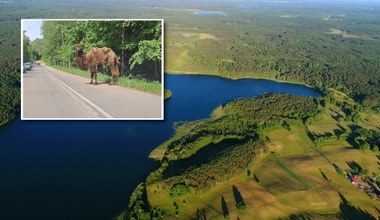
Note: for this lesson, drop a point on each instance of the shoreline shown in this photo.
(178, 72)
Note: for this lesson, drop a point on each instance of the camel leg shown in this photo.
(92, 76)
(96, 74)
(112, 81)
(96, 79)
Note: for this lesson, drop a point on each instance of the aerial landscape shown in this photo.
(272, 111)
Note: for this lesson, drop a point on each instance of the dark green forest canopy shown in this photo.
(9, 70)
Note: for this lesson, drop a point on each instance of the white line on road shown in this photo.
(80, 96)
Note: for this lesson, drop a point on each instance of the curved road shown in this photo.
(49, 93)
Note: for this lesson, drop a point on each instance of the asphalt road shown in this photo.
(48, 93)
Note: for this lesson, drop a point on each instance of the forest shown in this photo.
(9, 71)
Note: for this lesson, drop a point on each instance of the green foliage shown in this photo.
(218, 148)
(375, 149)
(141, 84)
(181, 189)
(9, 92)
(167, 93)
(27, 55)
(9, 70)
(135, 42)
(364, 146)
(271, 109)
(365, 139)
(148, 50)
(243, 119)
(241, 207)
(139, 207)
(230, 161)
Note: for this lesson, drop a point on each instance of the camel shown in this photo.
(96, 56)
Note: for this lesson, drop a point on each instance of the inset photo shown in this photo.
(75, 69)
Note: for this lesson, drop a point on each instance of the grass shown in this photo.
(293, 174)
(326, 124)
(180, 129)
(167, 93)
(153, 87)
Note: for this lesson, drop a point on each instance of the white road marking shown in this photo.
(80, 96)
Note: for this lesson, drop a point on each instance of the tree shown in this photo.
(365, 146)
(27, 56)
(375, 149)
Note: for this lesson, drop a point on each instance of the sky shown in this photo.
(32, 28)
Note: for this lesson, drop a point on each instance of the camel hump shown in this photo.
(106, 49)
(94, 49)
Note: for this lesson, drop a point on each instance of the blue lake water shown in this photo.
(88, 169)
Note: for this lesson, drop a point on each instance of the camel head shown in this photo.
(78, 50)
(114, 66)
(79, 57)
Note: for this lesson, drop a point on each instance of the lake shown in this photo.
(88, 169)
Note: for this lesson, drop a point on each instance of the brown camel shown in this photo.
(96, 56)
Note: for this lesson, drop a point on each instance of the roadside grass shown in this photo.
(153, 87)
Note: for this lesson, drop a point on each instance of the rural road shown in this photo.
(48, 93)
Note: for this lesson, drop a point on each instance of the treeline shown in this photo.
(139, 207)
(226, 164)
(9, 71)
(269, 109)
(365, 139)
(137, 43)
(315, 62)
